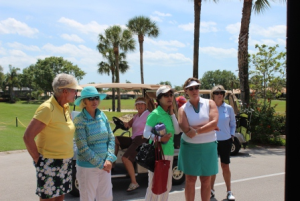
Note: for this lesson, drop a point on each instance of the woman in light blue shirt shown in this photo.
(225, 136)
(96, 145)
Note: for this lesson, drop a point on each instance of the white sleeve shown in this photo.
(148, 134)
(175, 124)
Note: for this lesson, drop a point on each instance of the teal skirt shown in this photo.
(198, 159)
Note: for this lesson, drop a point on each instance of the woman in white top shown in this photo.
(198, 119)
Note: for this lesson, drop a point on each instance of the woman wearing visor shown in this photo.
(198, 119)
(225, 137)
(137, 123)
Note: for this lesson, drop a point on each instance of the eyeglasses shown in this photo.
(217, 93)
(192, 88)
(93, 98)
(167, 95)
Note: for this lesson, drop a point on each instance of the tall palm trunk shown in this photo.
(197, 11)
(243, 51)
(116, 51)
(113, 91)
(141, 41)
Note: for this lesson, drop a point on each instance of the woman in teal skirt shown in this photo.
(198, 119)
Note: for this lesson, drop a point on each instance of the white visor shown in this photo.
(192, 83)
(140, 102)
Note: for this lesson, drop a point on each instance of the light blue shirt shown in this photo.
(226, 123)
(94, 139)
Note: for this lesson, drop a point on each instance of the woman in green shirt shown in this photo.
(162, 114)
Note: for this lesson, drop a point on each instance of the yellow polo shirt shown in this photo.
(56, 139)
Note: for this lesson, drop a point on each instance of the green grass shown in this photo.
(280, 107)
(11, 137)
(11, 133)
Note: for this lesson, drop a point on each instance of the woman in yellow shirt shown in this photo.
(52, 150)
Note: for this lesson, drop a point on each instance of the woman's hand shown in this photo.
(107, 166)
(166, 137)
(192, 133)
(126, 125)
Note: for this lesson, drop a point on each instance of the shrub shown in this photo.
(266, 125)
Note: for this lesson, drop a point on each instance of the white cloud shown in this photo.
(277, 31)
(219, 52)
(162, 14)
(234, 28)
(91, 27)
(2, 51)
(160, 58)
(171, 45)
(205, 27)
(85, 57)
(20, 46)
(72, 37)
(12, 26)
(268, 42)
(70, 50)
(17, 59)
(155, 18)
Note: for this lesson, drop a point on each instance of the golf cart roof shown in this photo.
(128, 86)
(204, 91)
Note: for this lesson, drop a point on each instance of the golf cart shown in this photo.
(149, 92)
(242, 133)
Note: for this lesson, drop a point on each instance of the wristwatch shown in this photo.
(196, 132)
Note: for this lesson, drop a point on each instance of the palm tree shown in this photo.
(11, 80)
(142, 26)
(2, 77)
(243, 63)
(115, 38)
(110, 67)
(197, 12)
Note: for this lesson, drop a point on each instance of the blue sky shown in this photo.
(31, 30)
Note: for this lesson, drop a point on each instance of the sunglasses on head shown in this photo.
(217, 93)
(93, 98)
(192, 88)
(167, 95)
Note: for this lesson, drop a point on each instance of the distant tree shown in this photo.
(142, 26)
(225, 78)
(165, 83)
(27, 79)
(177, 88)
(46, 69)
(117, 39)
(12, 80)
(2, 78)
(269, 69)
(110, 67)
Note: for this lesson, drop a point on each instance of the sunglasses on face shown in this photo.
(167, 95)
(192, 88)
(93, 98)
(217, 93)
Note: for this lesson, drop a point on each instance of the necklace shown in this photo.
(197, 109)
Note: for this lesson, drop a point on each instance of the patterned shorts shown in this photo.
(54, 177)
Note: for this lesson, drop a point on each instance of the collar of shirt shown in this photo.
(161, 110)
(223, 108)
(188, 104)
(88, 116)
